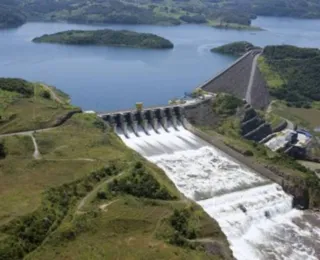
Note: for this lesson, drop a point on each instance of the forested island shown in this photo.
(218, 13)
(107, 37)
(234, 48)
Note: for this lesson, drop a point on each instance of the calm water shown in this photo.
(108, 78)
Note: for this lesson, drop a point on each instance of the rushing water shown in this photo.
(109, 78)
(255, 214)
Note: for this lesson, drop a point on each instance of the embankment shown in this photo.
(235, 81)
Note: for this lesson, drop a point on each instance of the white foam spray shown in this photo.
(255, 214)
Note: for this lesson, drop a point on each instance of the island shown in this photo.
(107, 37)
(234, 48)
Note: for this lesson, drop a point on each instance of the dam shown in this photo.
(255, 214)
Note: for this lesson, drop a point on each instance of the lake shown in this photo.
(111, 78)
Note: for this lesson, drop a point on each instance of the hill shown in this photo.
(292, 74)
(10, 16)
(87, 196)
(26, 106)
(221, 14)
(234, 48)
(107, 37)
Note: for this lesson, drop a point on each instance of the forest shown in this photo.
(213, 12)
(298, 69)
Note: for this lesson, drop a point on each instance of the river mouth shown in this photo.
(255, 214)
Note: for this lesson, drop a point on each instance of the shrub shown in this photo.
(45, 94)
(2, 150)
(17, 85)
(140, 183)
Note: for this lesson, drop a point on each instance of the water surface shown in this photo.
(110, 78)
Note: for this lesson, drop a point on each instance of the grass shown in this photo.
(23, 179)
(130, 228)
(303, 117)
(273, 78)
(18, 113)
(273, 119)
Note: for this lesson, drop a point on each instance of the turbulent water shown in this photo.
(255, 214)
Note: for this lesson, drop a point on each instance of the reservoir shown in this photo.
(109, 78)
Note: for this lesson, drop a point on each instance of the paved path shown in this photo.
(253, 73)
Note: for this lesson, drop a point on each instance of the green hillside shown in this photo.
(86, 195)
(292, 74)
(10, 15)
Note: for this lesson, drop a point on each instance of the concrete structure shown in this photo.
(242, 79)
(294, 143)
(149, 119)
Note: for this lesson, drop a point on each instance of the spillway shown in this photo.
(255, 214)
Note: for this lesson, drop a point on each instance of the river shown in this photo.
(109, 78)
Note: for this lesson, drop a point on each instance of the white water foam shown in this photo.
(255, 214)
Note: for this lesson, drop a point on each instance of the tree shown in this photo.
(2, 150)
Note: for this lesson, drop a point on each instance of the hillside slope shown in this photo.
(87, 196)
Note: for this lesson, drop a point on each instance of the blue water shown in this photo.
(110, 78)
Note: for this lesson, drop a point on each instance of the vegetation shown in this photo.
(17, 85)
(26, 106)
(292, 74)
(218, 13)
(27, 232)
(226, 105)
(234, 48)
(49, 207)
(141, 184)
(2, 150)
(227, 129)
(107, 37)
(10, 15)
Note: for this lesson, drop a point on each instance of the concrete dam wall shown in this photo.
(149, 120)
(235, 80)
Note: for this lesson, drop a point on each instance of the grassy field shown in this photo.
(53, 187)
(20, 113)
(127, 229)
